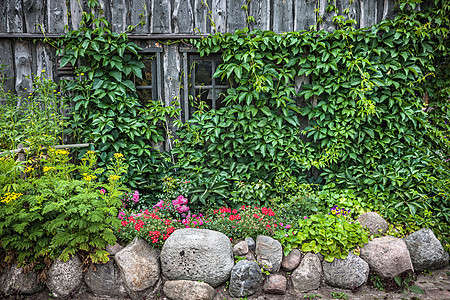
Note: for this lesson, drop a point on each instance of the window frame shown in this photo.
(157, 76)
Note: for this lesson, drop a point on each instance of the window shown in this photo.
(198, 82)
(149, 87)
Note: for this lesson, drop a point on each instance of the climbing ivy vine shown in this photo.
(375, 101)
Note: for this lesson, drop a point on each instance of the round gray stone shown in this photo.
(348, 273)
(269, 253)
(426, 251)
(65, 277)
(197, 255)
(246, 278)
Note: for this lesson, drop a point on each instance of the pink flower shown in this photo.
(182, 209)
(159, 204)
(194, 222)
(287, 226)
(136, 196)
(103, 191)
(182, 200)
(305, 217)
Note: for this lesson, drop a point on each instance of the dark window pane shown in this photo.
(203, 72)
(146, 74)
(144, 95)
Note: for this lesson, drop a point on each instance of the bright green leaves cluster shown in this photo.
(350, 102)
(329, 235)
(107, 111)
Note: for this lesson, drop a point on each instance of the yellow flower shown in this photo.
(118, 155)
(43, 71)
(89, 177)
(8, 197)
(90, 152)
(114, 177)
(61, 152)
(47, 168)
(82, 74)
(29, 169)
(54, 91)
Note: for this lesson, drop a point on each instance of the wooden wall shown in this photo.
(26, 56)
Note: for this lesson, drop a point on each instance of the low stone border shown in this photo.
(193, 263)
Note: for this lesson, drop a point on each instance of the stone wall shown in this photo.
(198, 263)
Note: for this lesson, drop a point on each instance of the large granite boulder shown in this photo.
(269, 253)
(348, 273)
(374, 222)
(65, 278)
(292, 260)
(426, 251)
(14, 280)
(139, 268)
(246, 278)
(188, 290)
(105, 280)
(387, 256)
(197, 255)
(307, 275)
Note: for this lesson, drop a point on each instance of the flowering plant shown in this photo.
(243, 222)
(151, 226)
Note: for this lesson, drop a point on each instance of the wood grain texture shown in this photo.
(369, 11)
(171, 67)
(183, 17)
(219, 15)
(44, 60)
(327, 16)
(283, 16)
(161, 17)
(15, 16)
(75, 14)
(7, 59)
(388, 9)
(118, 15)
(34, 15)
(57, 16)
(140, 10)
(236, 17)
(304, 15)
(260, 10)
(202, 22)
(22, 64)
(353, 10)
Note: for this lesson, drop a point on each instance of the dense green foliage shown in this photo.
(51, 214)
(107, 111)
(370, 103)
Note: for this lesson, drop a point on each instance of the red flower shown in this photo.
(255, 216)
(235, 211)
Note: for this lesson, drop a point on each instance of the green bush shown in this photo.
(332, 236)
(52, 214)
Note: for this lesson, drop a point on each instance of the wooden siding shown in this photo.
(25, 57)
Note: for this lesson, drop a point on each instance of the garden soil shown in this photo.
(436, 285)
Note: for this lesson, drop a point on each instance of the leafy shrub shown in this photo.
(34, 120)
(328, 234)
(53, 214)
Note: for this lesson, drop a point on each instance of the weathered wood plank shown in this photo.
(171, 67)
(283, 16)
(4, 14)
(202, 22)
(161, 14)
(76, 11)
(236, 16)
(118, 15)
(388, 9)
(353, 10)
(183, 17)
(260, 10)
(22, 63)
(14, 16)
(34, 15)
(140, 10)
(369, 11)
(7, 59)
(57, 16)
(304, 14)
(219, 15)
(44, 60)
(327, 17)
